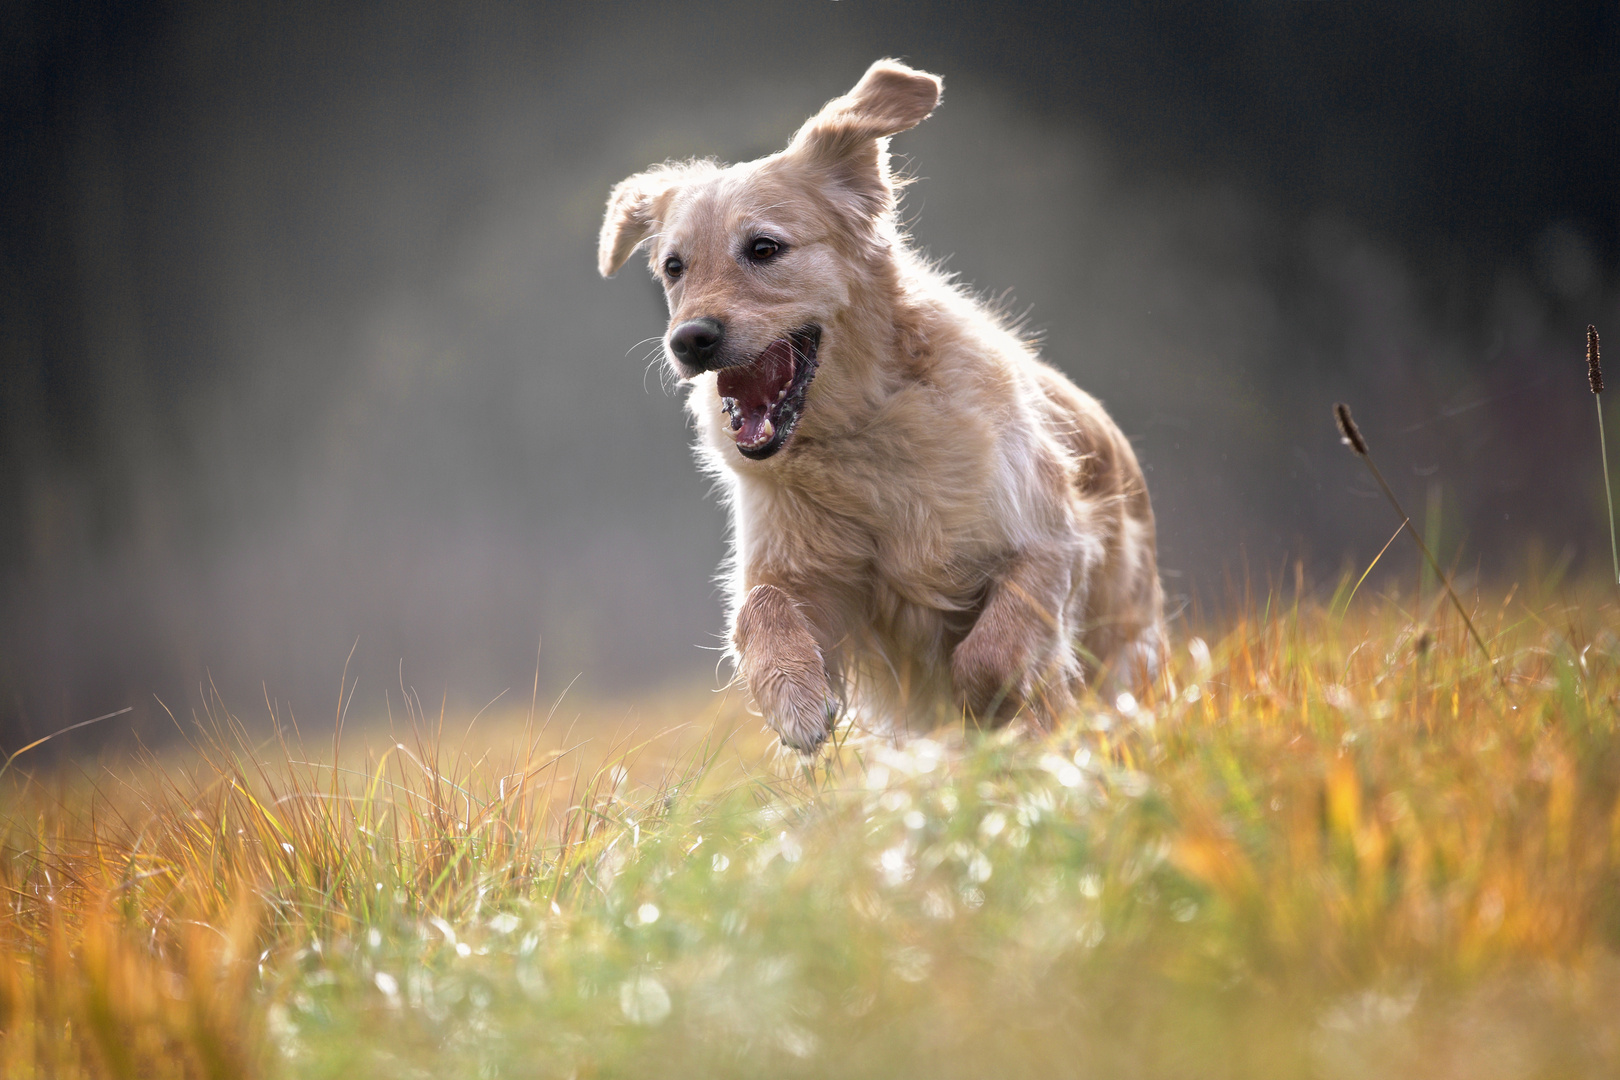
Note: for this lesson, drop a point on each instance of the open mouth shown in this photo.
(765, 396)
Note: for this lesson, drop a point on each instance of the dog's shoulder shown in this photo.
(1107, 464)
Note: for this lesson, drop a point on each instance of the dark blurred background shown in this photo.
(301, 341)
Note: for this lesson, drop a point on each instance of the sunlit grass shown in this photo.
(1331, 845)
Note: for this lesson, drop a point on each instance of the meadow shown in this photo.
(1334, 842)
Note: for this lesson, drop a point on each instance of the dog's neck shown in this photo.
(880, 346)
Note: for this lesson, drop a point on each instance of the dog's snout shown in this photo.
(696, 342)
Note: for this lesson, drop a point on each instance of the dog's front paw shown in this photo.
(991, 676)
(782, 665)
(797, 704)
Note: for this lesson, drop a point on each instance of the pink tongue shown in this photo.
(754, 388)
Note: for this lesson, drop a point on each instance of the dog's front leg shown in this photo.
(780, 661)
(1019, 656)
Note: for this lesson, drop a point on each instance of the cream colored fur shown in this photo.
(953, 525)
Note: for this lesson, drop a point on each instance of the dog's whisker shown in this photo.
(659, 338)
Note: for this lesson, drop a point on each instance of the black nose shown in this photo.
(696, 342)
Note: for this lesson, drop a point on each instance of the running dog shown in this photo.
(927, 520)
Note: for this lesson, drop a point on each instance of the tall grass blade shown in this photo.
(1594, 375)
(15, 754)
(1353, 438)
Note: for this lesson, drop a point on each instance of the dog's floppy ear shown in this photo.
(849, 136)
(635, 208)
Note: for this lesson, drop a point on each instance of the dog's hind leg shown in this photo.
(783, 666)
(1019, 656)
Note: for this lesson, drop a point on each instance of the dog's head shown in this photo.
(761, 261)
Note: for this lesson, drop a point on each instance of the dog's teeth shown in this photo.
(766, 431)
(782, 393)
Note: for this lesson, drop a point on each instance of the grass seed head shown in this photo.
(1594, 366)
(1348, 432)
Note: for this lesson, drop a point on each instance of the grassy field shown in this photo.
(1336, 845)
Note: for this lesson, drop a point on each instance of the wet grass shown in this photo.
(1334, 844)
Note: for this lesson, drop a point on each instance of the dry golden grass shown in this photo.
(1332, 844)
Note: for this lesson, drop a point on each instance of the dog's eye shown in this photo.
(763, 248)
(673, 267)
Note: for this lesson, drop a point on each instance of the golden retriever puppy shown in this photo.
(926, 518)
